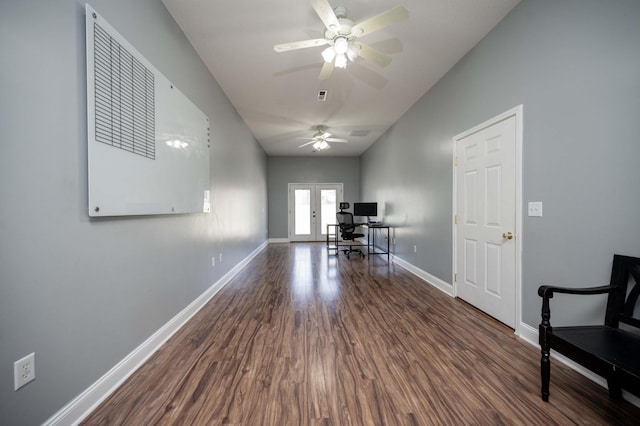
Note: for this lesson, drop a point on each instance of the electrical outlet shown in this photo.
(213, 261)
(220, 258)
(415, 249)
(24, 371)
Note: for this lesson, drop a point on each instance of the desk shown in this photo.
(333, 242)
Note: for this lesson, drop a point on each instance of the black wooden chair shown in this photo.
(611, 350)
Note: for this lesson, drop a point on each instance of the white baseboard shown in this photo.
(87, 401)
(431, 279)
(278, 240)
(529, 334)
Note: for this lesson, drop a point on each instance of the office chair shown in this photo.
(346, 225)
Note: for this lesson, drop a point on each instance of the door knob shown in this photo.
(507, 235)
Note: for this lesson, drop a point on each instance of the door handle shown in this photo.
(508, 235)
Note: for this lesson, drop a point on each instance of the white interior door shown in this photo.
(311, 208)
(485, 243)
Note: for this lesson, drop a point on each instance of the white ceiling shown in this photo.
(276, 93)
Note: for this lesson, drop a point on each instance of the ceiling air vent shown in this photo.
(359, 133)
(322, 95)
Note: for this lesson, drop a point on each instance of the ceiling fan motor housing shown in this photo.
(340, 11)
(344, 29)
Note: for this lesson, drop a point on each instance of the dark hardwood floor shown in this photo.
(302, 338)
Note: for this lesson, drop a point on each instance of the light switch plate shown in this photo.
(535, 209)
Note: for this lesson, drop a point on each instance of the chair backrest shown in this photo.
(345, 222)
(621, 305)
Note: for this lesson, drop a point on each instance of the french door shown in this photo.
(312, 206)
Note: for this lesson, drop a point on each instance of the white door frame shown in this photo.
(516, 112)
(316, 216)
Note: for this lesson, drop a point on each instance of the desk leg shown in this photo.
(373, 230)
(327, 238)
(388, 246)
(335, 239)
(371, 242)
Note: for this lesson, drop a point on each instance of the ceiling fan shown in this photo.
(321, 139)
(342, 35)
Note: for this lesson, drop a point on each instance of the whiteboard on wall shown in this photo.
(148, 144)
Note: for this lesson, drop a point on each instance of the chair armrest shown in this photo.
(546, 291)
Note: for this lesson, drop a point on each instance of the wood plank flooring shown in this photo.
(302, 338)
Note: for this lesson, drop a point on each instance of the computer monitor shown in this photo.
(365, 209)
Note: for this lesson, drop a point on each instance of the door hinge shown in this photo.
(456, 162)
(455, 277)
(455, 219)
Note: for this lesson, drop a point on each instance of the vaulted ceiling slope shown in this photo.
(277, 93)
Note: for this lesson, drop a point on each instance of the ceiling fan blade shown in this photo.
(325, 72)
(300, 44)
(336, 140)
(380, 21)
(305, 144)
(326, 14)
(373, 55)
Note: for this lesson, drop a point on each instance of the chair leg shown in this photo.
(350, 250)
(615, 391)
(545, 348)
(356, 250)
(545, 374)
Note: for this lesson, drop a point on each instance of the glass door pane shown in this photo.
(302, 209)
(328, 209)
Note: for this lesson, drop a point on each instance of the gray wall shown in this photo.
(84, 293)
(285, 170)
(575, 66)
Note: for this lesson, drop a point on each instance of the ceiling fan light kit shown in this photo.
(341, 61)
(321, 145)
(353, 51)
(341, 44)
(328, 54)
(321, 138)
